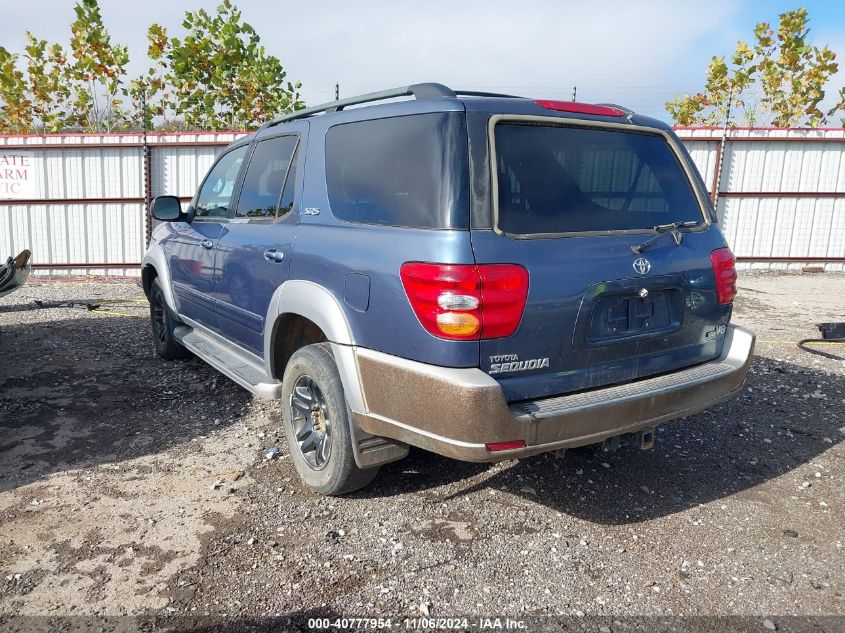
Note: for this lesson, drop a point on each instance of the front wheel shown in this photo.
(317, 423)
(163, 324)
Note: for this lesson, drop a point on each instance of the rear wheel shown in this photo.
(163, 323)
(316, 420)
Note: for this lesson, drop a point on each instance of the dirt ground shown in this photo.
(134, 486)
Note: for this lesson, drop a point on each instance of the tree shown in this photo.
(722, 95)
(788, 70)
(46, 70)
(839, 107)
(82, 91)
(33, 101)
(97, 73)
(15, 104)
(218, 76)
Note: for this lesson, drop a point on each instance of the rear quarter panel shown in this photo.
(328, 250)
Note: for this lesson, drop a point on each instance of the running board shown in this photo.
(230, 364)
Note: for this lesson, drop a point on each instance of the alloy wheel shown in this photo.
(311, 423)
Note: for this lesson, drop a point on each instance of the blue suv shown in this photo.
(483, 276)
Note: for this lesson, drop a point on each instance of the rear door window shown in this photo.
(265, 178)
(555, 179)
(409, 171)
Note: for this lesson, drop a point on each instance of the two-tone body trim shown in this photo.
(458, 412)
(156, 259)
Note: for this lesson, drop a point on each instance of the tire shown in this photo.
(163, 322)
(314, 408)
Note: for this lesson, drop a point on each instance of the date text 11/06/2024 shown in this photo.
(424, 623)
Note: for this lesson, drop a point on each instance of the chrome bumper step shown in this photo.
(636, 390)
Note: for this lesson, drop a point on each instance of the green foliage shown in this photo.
(218, 76)
(33, 100)
(790, 72)
(82, 91)
(15, 102)
(46, 69)
(722, 92)
(839, 107)
(96, 76)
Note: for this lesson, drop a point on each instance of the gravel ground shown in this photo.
(134, 486)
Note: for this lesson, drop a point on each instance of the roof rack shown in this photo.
(419, 91)
(476, 93)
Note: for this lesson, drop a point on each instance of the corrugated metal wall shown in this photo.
(781, 194)
(88, 204)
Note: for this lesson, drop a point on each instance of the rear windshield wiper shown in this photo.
(674, 228)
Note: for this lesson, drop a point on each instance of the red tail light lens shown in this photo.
(504, 288)
(580, 108)
(466, 301)
(724, 268)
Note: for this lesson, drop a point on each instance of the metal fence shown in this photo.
(780, 194)
(86, 212)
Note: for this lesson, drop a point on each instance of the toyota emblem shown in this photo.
(642, 265)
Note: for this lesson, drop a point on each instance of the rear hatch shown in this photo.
(570, 200)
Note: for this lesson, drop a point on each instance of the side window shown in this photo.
(286, 203)
(216, 193)
(265, 177)
(407, 171)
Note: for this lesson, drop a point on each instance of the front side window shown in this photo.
(555, 179)
(216, 193)
(408, 171)
(265, 178)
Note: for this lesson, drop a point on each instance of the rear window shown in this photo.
(554, 179)
(406, 171)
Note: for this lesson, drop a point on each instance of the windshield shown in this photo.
(555, 179)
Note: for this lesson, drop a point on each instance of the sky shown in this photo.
(638, 54)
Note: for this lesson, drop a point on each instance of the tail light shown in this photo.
(466, 301)
(724, 268)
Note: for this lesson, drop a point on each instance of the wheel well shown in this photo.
(292, 332)
(148, 275)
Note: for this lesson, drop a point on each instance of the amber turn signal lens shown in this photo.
(458, 323)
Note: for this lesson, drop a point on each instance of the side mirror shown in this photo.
(167, 209)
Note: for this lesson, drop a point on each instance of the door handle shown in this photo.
(272, 255)
(207, 244)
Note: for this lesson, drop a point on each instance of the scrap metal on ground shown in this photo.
(15, 272)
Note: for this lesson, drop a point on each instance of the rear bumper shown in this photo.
(455, 412)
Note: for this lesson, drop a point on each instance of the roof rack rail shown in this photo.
(419, 91)
(477, 93)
